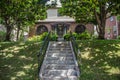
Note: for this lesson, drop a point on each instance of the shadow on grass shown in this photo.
(100, 60)
(18, 61)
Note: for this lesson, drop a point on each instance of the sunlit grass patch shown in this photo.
(100, 59)
(18, 60)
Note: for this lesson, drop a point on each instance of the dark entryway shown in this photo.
(41, 29)
(60, 29)
(80, 28)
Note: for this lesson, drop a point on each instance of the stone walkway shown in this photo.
(59, 62)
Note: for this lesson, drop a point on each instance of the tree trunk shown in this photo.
(8, 32)
(18, 30)
(101, 32)
(101, 20)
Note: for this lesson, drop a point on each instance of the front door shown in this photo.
(60, 30)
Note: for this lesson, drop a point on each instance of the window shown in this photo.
(80, 28)
(41, 29)
(111, 19)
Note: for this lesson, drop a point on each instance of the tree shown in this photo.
(118, 17)
(95, 11)
(18, 13)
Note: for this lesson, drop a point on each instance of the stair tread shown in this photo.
(60, 78)
(57, 73)
(59, 63)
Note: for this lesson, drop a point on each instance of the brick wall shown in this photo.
(110, 29)
(119, 28)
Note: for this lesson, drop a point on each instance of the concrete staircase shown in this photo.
(59, 62)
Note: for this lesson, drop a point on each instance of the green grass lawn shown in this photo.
(18, 60)
(100, 59)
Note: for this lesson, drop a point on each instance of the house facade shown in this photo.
(64, 24)
(112, 29)
(59, 24)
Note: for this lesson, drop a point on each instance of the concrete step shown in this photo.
(60, 58)
(59, 51)
(59, 67)
(59, 73)
(59, 63)
(60, 78)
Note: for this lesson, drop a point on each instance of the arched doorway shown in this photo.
(80, 28)
(41, 29)
(60, 28)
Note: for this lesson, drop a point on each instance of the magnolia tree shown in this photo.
(95, 11)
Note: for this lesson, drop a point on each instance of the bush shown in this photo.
(44, 35)
(38, 37)
(53, 37)
(84, 35)
(119, 37)
(2, 35)
(75, 35)
(67, 36)
(93, 37)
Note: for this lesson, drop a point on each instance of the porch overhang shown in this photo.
(57, 20)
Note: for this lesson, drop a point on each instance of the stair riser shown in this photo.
(59, 62)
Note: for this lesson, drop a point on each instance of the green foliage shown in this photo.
(99, 60)
(53, 37)
(93, 37)
(75, 35)
(81, 36)
(94, 11)
(38, 37)
(22, 59)
(84, 35)
(67, 36)
(2, 35)
(20, 14)
(119, 37)
(118, 17)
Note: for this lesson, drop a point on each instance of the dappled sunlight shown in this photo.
(87, 48)
(20, 73)
(14, 49)
(113, 70)
(9, 56)
(22, 57)
(27, 66)
(100, 59)
(13, 78)
(86, 55)
(18, 60)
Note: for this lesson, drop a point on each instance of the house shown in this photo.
(64, 24)
(112, 29)
(59, 24)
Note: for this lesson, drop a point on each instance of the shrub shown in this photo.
(93, 37)
(67, 36)
(84, 35)
(53, 37)
(75, 35)
(38, 37)
(44, 35)
(2, 35)
(119, 37)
